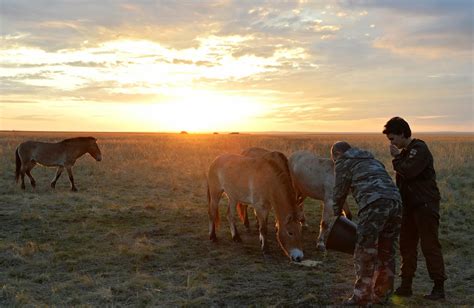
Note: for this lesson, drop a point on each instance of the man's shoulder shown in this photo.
(418, 146)
(418, 143)
(342, 164)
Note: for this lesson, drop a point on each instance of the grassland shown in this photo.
(136, 233)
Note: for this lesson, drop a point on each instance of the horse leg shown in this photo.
(213, 211)
(257, 225)
(32, 179)
(262, 216)
(327, 213)
(22, 176)
(71, 178)
(302, 216)
(246, 216)
(242, 210)
(231, 209)
(58, 174)
(347, 210)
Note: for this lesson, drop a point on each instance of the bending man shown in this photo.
(379, 205)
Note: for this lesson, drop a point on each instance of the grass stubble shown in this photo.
(136, 233)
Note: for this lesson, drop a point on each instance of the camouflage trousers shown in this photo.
(374, 256)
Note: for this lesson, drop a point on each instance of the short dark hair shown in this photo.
(340, 146)
(397, 126)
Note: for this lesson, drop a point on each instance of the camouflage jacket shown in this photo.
(366, 177)
(416, 177)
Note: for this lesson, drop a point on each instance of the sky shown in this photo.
(248, 66)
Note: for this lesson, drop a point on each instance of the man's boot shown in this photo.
(438, 291)
(405, 288)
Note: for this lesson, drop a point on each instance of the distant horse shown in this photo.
(261, 183)
(61, 154)
(314, 177)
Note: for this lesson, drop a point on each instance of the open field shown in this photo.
(136, 233)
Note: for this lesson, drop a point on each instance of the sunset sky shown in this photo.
(203, 66)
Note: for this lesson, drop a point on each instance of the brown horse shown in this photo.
(261, 183)
(242, 208)
(312, 177)
(61, 154)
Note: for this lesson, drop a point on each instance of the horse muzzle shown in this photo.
(296, 255)
(98, 158)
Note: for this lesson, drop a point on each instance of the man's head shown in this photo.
(338, 149)
(398, 132)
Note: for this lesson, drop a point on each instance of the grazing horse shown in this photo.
(314, 177)
(61, 154)
(261, 183)
(242, 208)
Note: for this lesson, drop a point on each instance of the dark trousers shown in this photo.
(420, 224)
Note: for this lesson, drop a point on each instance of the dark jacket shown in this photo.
(416, 177)
(366, 177)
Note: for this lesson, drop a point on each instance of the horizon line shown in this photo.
(224, 132)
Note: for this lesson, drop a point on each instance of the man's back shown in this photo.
(367, 177)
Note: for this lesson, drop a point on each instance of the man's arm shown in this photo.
(341, 188)
(414, 163)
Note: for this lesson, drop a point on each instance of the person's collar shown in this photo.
(410, 143)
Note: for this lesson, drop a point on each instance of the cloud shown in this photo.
(32, 117)
(432, 29)
(16, 101)
(338, 59)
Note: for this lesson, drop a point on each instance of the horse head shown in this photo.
(93, 149)
(290, 238)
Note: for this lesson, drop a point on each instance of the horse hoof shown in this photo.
(74, 189)
(321, 247)
(213, 238)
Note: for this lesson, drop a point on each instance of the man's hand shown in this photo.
(337, 212)
(394, 151)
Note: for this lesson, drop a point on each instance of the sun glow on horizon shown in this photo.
(206, 112)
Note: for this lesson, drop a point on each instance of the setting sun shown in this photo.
(206, 112)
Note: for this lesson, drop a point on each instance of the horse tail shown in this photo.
(241, 210)
(18, 165)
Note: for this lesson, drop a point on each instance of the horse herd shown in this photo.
(266, 180)
(269, 180)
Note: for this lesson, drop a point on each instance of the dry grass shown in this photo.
(136, 232)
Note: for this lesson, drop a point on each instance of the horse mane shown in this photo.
(278, 168)
(275, 160)
(78, 139)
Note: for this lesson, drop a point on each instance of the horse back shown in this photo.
(313, 175)
(44, 153)
(245, 179)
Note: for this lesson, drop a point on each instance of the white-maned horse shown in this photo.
(313, 177)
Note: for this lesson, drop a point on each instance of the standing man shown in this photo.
(416, 179)
(379, 205)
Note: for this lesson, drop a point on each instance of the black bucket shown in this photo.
(342, 236)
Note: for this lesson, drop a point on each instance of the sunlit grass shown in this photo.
(136, 232)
